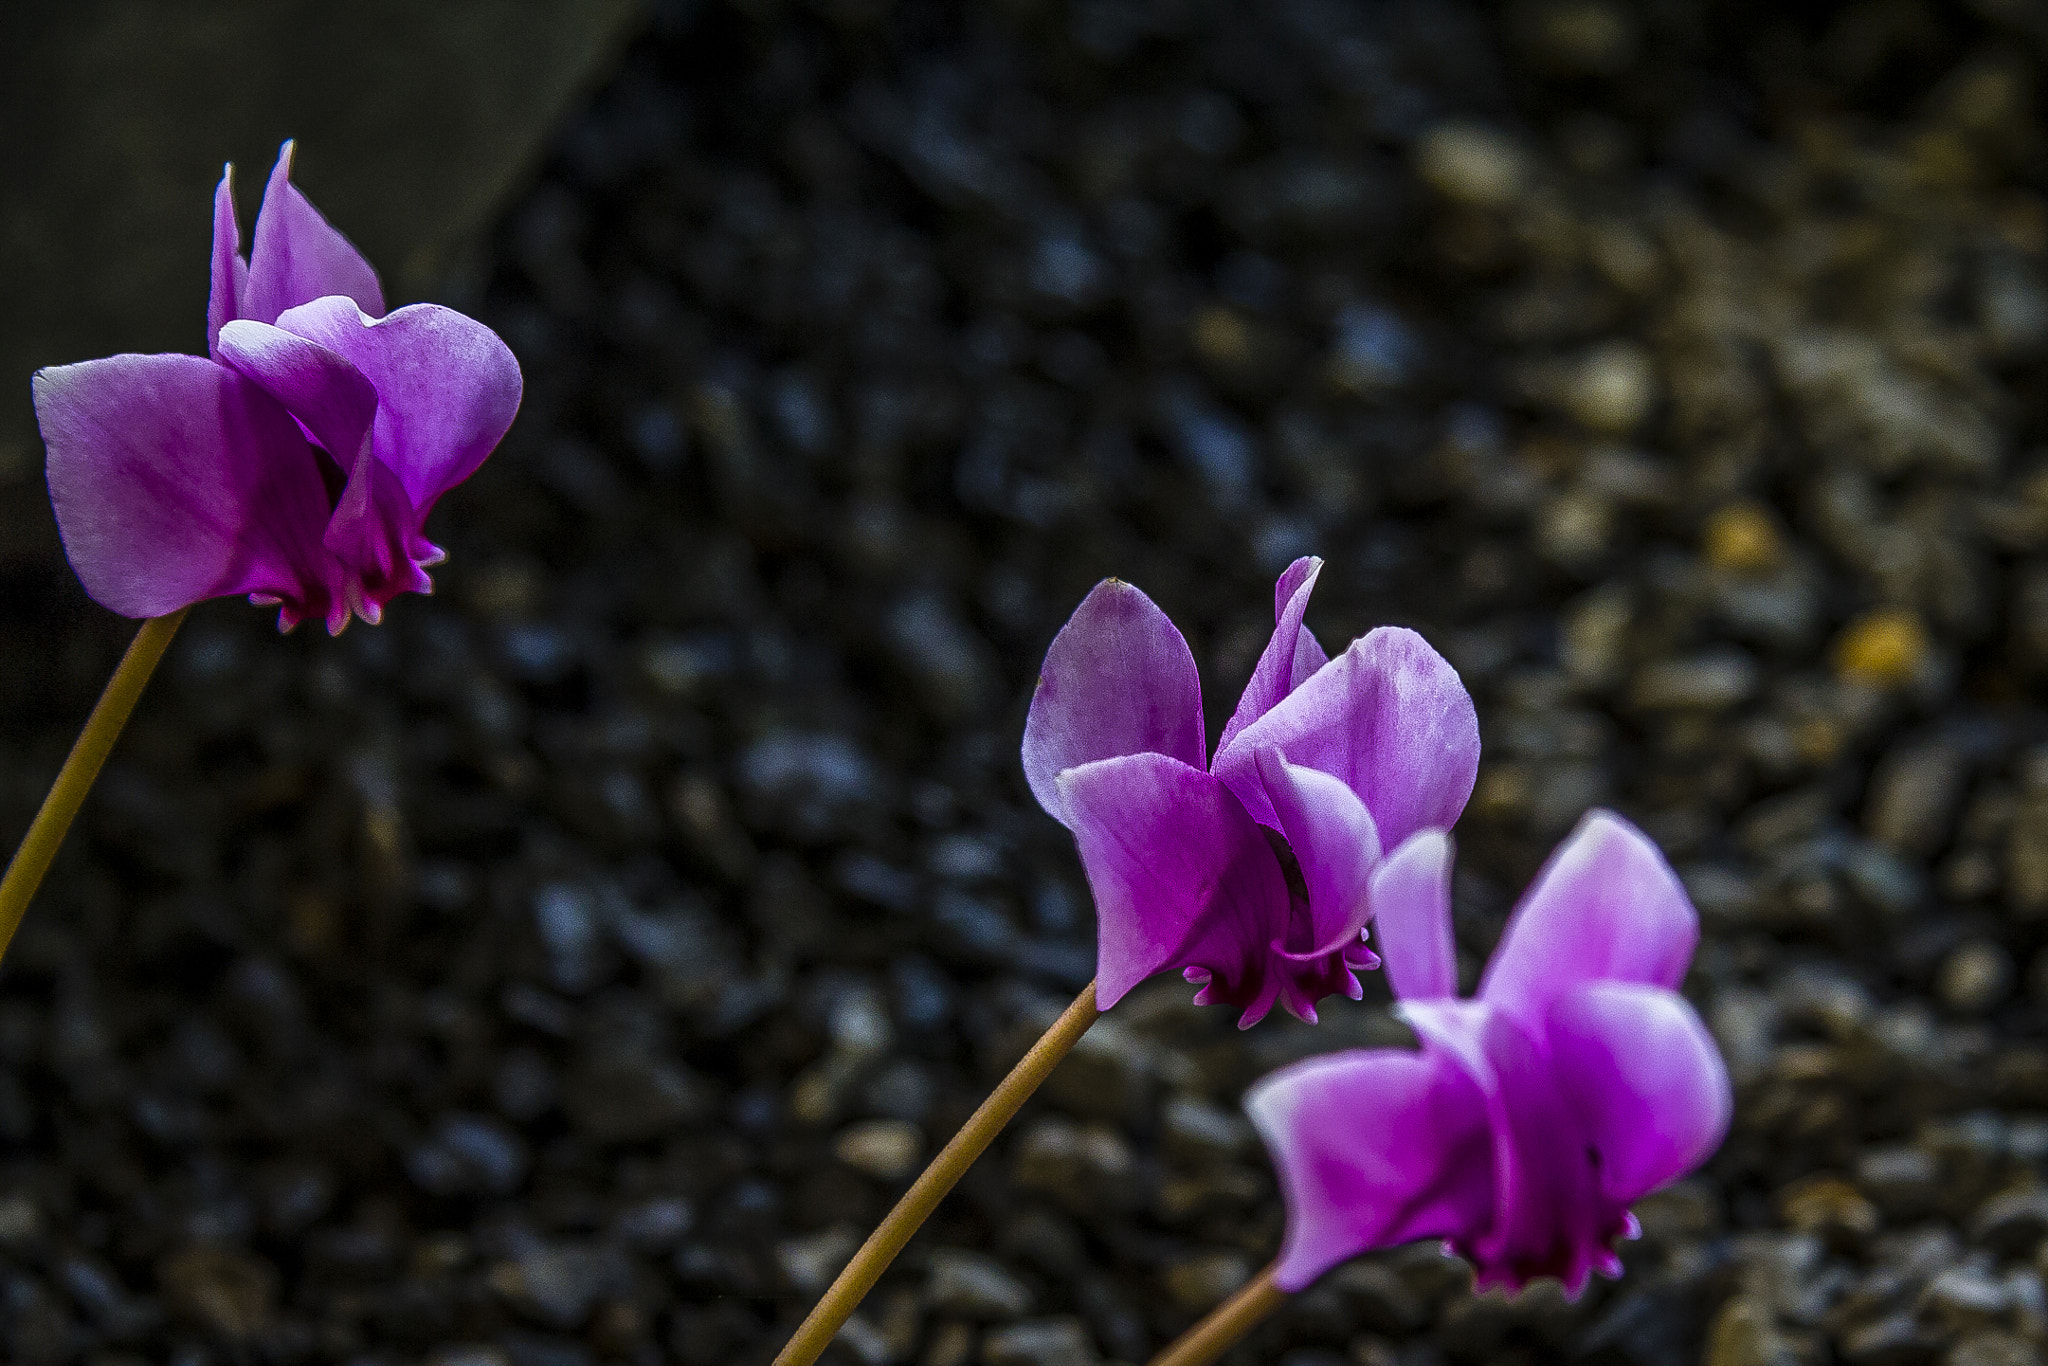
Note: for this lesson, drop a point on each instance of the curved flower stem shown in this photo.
(75, 779)
(1226, 1323)
(860, 1275)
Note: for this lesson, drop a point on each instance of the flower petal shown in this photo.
(1335, 842)
(1372, 1149)
(174, 479)
(1606, 906)
(332, 399)
(1647, 1078)
(1411, 905)
(1118, 679)
(447, 387)
(1389, 718)
(230, 284)
(297, 256)
(1181, 875)
(1280, 669)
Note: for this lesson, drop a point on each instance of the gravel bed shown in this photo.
(570, 970)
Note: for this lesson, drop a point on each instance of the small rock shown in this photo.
(1913, 797)
(1040, 1342)
(1975, 977)
(2012, 1222)
(811, 1261)
(1829, 1206)
(1903, 1180)
(1883, 649)
(1593, 635)
(1199, 1284)
(1743, 538)
(1613, 388)
(1195, 1131)
(1711, 681)
(1745, 1334)
(886, 1149)
(1082, 1168)
(1472, 164)
(559, 1284)
(1896, 1339)
(972, 1285)
(1963, 1298)
(221, 1289)
(1993, 1348)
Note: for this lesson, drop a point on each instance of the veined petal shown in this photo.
(1290, 656)
(230, 283)
(174, 479)
(1182, 877)
(1118, 679)
(1411, 902)
(331, 398)
(1335, 842)
(447, 387)
(1646, 1078)
(1373, 1149)
(297, 255)
(1389, 718)
(1606, 906)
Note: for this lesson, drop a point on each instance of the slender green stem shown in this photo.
(1226, 1323)
(75, 779)
(860, 1275)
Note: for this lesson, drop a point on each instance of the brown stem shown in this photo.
(1226, 1323)
(860, 1275)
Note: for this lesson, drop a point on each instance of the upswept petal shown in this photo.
(1373, 1149)
(1275, 675)
(298, 256)
(1389, 718)
(1118, 679)
(1181, 875)
(1606, 905)
(174, 479)
(447, 386)
(1646, 1079)
(1334, 841)
(332, 399)
(1411, 905)
(230, 282)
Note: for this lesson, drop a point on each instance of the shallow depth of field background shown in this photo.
(570, 970)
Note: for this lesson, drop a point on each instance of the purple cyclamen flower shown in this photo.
(1576, 1082)
(1255, 874)
(295, 462)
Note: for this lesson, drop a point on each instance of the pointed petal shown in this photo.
(1646, 1077)
(1389, 718)
(1118, 679)
(447, 387)
(1335, 842)
(1606, 905)
(1373, 1149)
(1276, 673)
(1182, 877)
(230, 271)
(1411, 905)
(330, 398)
(375, 534)
(297, 256)
(174, 479)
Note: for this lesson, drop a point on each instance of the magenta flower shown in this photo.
(1254, 874)
(1576, 1082)
(298, 460)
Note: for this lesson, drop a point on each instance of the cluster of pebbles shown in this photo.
(571, 969)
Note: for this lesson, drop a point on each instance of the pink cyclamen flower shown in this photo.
(1574, 1083)
(1254, 873)
(295, 462)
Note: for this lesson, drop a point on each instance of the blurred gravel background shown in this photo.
(570, 970)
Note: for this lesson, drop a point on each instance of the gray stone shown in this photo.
(1975, 976)
(1965, 1297)
(1993, 1348)
(1040, 1342)
(1200, 1283)
(1711, 681)
(972, 1285)
(1913, 797)
(2012, 1222)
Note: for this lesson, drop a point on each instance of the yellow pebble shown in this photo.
(1884, 647)
(1742, 539)
(1222, 337)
